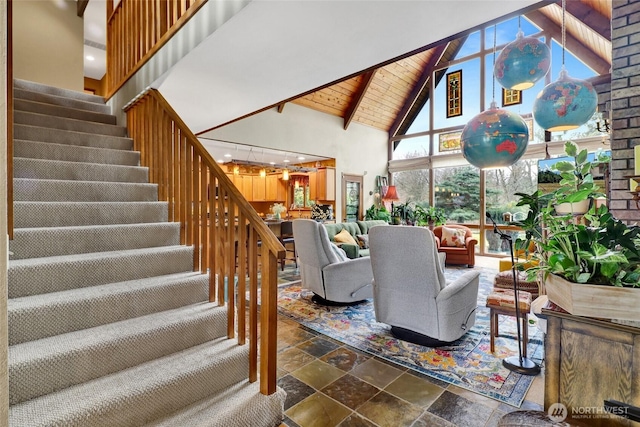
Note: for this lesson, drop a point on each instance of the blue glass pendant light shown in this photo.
(567, 103)
(496, 137)
(522, 62)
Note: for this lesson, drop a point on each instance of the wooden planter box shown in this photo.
(606, 302)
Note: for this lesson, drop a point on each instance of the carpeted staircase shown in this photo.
(108, 324)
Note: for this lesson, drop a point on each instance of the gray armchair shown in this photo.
(410, 292)
(325, 268)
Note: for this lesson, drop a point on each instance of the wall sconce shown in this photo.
(285, 175)
(236, 170)
(263, 173)
(297, 184)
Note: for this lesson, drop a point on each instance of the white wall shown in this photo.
(359, 150)
(48, 43)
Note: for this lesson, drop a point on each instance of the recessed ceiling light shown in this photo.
(286, 160)
(272, 163)
(300, 157)
(90, 58)
(227, 155)
(220, 161)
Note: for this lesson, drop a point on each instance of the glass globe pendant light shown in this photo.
(496, 137)
(567, 103)
(522, 62)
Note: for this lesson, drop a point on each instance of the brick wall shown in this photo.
(625, 105)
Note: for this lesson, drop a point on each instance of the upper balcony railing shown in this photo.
(137, 29)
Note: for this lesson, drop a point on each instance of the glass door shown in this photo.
(351, 198)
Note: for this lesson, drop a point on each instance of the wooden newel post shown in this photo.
(268, 322)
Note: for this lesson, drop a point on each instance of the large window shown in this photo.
(500, 188)
(457, 187)
(457, 191)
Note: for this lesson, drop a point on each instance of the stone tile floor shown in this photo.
(332, 384)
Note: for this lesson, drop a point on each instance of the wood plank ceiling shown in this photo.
(389, 97)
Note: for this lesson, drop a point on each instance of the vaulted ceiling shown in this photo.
(389, 97)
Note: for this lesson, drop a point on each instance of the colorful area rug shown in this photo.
(467, 363)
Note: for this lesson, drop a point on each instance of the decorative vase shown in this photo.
(277, 216)
(580, 299)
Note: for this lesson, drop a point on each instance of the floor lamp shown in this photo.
(518, 364)
(391, 195)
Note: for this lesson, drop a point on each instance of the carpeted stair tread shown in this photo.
(55, 241)
(40, 316)
(74, 153)
(61, 214)
(80, 171)
(55, 363)
(64, 123)
(52, 90)
(59, 136)
(62, 111)
(239, 405)
(55, 190)
(53, 274)
(46, 98)
(140, 394)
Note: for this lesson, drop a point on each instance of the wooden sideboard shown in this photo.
(588, 361)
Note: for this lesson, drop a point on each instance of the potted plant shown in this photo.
(278, 209)
(430, 216)
(377, 212)
(589, 265)
(576, 188)
(403, 213)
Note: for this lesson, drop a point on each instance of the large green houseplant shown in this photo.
(595, 250)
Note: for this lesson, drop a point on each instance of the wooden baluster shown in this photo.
(242, 278)
(234, 246)
(204, 219)
(253, 305)
(213, 244)
(221, 243)
(195, 201)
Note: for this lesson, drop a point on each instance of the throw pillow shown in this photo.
(363, 241)
(453, 237)
(345, 237)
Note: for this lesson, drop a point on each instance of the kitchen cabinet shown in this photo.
(259, 189)
(244, 184)
(276, 190)
(322, 185)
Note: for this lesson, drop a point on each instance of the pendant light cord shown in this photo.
(564, 41)
(493, 80)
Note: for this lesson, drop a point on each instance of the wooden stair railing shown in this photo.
(137, 29)
(227, 234)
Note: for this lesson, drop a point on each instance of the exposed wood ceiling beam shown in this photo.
(581, 51)
(82, 5)
(358, 97)
(590, 17)
(418, 89)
